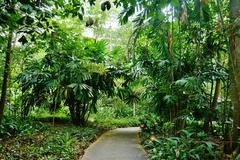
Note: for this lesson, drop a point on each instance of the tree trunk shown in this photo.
(7, 73)
(213, 106)
(134, 109)
(235, 69)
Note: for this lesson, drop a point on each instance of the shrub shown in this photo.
(157, 137)
(12, 126)
(184, 147)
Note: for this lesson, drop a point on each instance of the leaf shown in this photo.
(170, 99)
(187, 133)
(125, 14)
(80, 16)
(26, 8)
(238, 157)
(173, 140)
(189, 83)
(210, 145)
(73, 85)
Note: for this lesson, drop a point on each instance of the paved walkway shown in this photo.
(118, 144)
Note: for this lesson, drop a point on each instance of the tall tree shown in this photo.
(235, 67)
(7, 71)
(26, 19)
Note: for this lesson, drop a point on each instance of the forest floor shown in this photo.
(37, 138)
(117, 144)
(62, 141)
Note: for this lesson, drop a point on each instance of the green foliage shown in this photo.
(151, 123)
(175, 65)
(190, 143)
(12, 126)
(42, 113)
(185, 146)
(73, 73)
(113, 107)
(113, 123)
(59, 142)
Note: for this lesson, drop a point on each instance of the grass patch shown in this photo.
(112, 123)
(60, 117)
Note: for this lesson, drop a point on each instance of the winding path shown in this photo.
(118, 144)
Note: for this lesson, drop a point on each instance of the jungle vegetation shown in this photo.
(170, 66)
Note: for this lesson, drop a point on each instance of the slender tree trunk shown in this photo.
(225, 126)
(171, 59)
(56, 103)
(72, 112)
(213, 106)
(134, 109)
(235, 69)
(78, 115)
(7, 73)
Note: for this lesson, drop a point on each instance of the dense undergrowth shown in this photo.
(25, 139)
(37, 138)
(162, 142)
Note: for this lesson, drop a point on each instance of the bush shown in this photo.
(113, 107)
(184, 147)
(151, 124)
(157, 137)
(12, 126)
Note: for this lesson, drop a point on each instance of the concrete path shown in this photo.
(118, 144)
